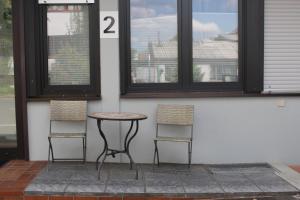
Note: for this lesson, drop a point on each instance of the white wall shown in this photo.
(227, 130)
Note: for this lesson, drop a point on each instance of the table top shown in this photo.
(117, 116)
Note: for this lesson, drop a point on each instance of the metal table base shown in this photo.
(112, 152)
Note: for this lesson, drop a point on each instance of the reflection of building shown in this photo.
(158, 64)
(214, 61)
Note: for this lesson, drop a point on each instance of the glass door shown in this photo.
(8, 141)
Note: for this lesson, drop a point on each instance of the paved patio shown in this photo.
(167, 180)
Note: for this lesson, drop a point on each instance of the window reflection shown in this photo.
(7, 94)
(215, 40)
(68, 45)
(154, 52)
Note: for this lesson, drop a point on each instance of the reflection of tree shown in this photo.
(5, 35)
(197, 74)
(6, 65)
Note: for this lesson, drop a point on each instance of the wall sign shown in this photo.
(109, 24)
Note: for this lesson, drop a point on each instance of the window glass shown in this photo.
(215, 41)
(154, 43)
(7, 94)
(68, 45)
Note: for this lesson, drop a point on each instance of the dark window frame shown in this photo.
(37, 56)
(251, 15)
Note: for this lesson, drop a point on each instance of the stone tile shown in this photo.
(194, 175)
(163, 189)
(200, 184)
(270, 182)
(40, 188)
(69, 167)
(123, 174)
(125, 186)
(88, 176)
(164, 167)
(82, 189)
(240, 169)
(236, 183)
(117, 166)
(58, 174)
(161, 179)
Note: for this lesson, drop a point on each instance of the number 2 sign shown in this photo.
(109, 24)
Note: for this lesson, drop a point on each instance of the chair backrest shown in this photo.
(68, 110)
(182, 115)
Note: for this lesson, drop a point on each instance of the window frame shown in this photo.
(185, 57)
(37, 56)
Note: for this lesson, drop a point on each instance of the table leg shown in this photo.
(127, 143)
(105, 149)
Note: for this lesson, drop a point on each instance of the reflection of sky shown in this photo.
(152, 8)
(226, 6)
(153, 19)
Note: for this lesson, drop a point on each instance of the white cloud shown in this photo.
(209, 27)
(152, 23)
(147, 29)
(144, 30)
(141, 12)
(232, 3)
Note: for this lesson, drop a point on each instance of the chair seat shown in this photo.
(173, 139)
(67, 135)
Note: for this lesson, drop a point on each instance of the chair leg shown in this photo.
(85, 147)
(48, 156)
(154, 156)
(156, 151)
(51, 149)
(83, 150)
(190, 153)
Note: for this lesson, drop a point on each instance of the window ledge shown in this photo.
(180, 94)
(74, 98)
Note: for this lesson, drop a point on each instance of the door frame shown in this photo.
(22, 151)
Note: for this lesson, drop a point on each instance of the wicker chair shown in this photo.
(177, 115)
(68, 111)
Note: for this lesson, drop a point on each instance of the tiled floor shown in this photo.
(69, 182)
(171, 180)
(16, 175)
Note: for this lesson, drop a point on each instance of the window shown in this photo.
(154, 42)
(64, 53)
(190, 45)
(68, 45)
(215, 41)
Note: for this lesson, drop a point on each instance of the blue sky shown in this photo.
(210, 18)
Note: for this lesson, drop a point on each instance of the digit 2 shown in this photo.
(112, 22)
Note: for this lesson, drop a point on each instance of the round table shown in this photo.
(133, 118)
